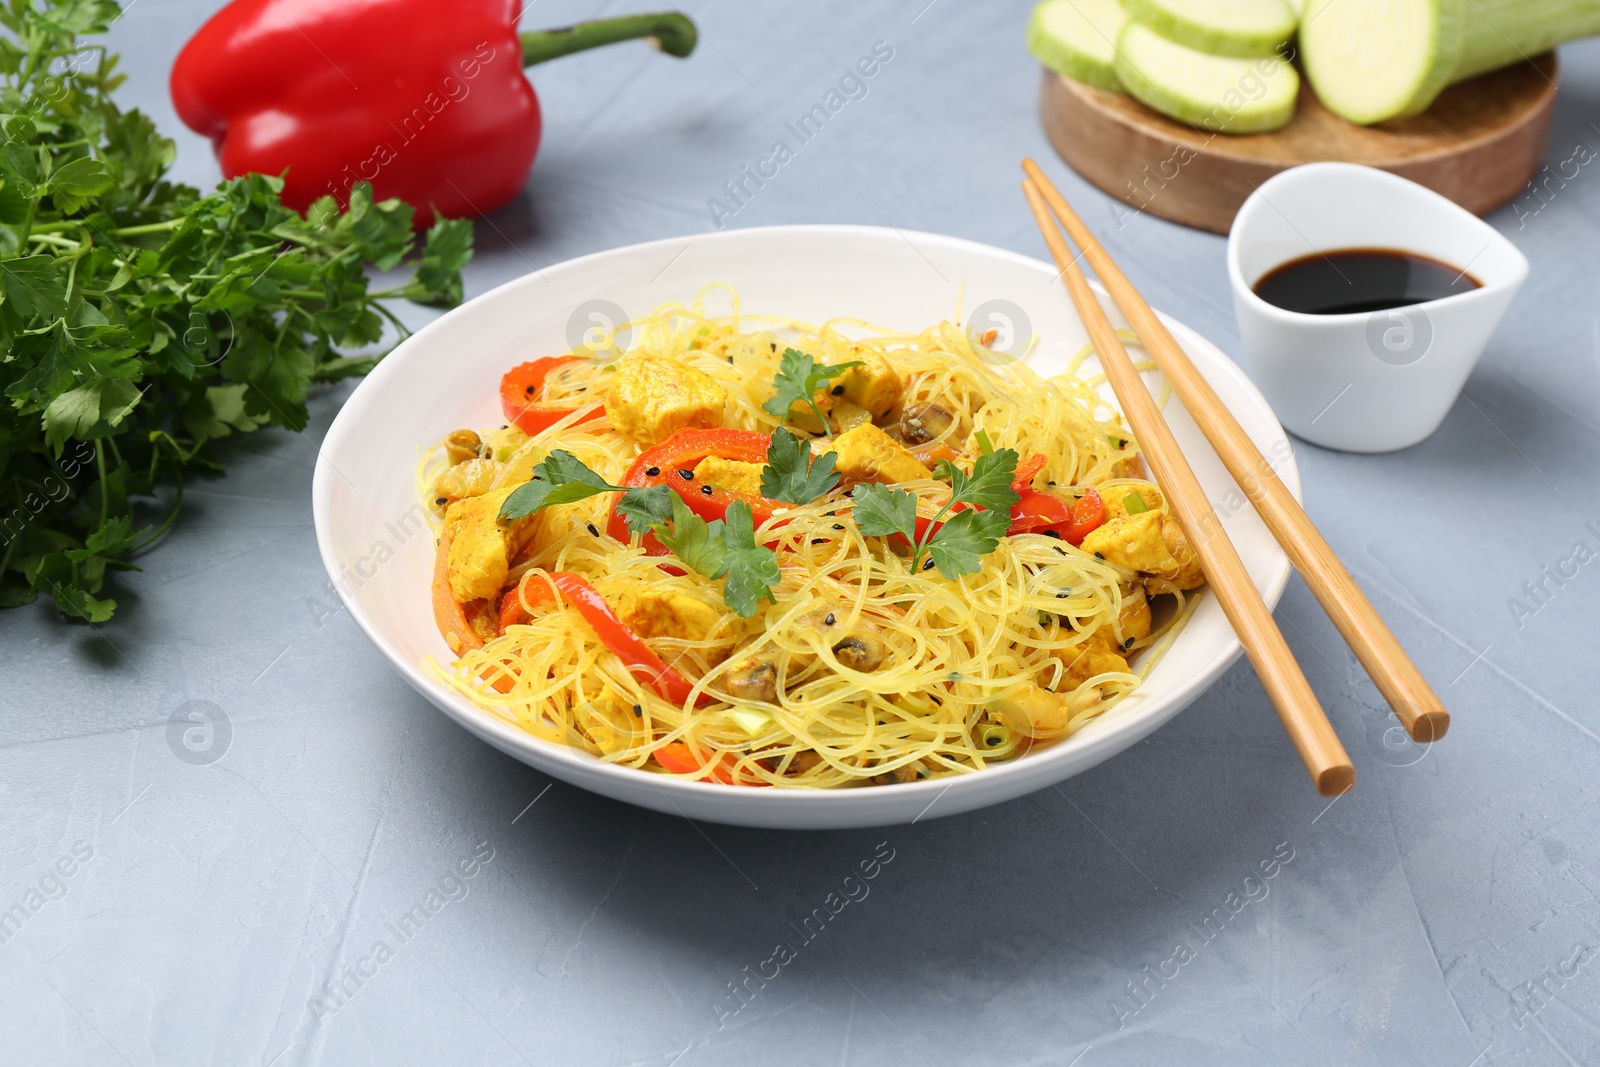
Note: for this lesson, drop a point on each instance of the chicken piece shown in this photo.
(1132, 624)
(1087, 660)
(1116, 497)
(1150, 543)
(653, 397)
(867, 454)
(667, 613)
(733, 475)
(875, 385)
(481, 546)
(1036, 711)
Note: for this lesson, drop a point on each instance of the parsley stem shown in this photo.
(927, 536)
(177, 503)
(100, 465)
(149, 227)
(52, 239)
(826, 429)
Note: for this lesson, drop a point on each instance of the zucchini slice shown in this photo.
(1223, 94)
(1220, 27)
(1078, 38)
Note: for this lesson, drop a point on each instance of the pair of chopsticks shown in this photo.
(1397, 678)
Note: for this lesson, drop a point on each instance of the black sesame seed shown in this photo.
(529, 390)
(928, 565)
(653, 471)
(837, 390)
(994, 740)
(1049, 483)
(819, 540)
(442, 501)
(706, 489)
(1098, 556)
(686, 474)
(1059, 549)
(1052, 533)
(772, 345)
(592, 531)
(1128, 643)
(1062, 594)
(730, 361)
(829, 620)
(638, 711)
(837, 526)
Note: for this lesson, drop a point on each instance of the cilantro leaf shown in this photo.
(695, 541)
(960, 543)
(752, 568)
(791, 475)
(881, 511)
(644, 508)
(798, 379)
(989, 484)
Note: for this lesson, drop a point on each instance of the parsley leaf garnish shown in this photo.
(798, 379)
(964, 538)
(954, 542)
(752, 568)
(694, 540)
(791, 475)
(562, 478)
(645, 508)
(559, 478)
(881, 511)
(715, 549)
(989, 484)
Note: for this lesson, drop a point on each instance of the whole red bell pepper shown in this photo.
(425, 100)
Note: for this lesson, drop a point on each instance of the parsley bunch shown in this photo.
(140, 320)
(955, 541)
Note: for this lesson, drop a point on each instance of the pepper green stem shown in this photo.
(670, 31)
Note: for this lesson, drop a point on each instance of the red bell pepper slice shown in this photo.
(1087, 515)
(452, 619)
(448, 613)
(1027, 471)
(640, 659)
(665, 464)
(1035, 511)
(521, 390)
(679, 758)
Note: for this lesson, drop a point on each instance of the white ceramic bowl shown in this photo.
(446, 377)
(1367, 381)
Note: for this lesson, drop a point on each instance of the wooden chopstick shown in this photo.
(1275, 665)
(1414, 702)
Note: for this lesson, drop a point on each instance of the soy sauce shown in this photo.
(1354, 280)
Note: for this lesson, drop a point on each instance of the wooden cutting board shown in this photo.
(1479, 144)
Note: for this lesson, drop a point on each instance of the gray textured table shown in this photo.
(229, 912)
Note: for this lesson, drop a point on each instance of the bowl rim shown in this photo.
(762, 804)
